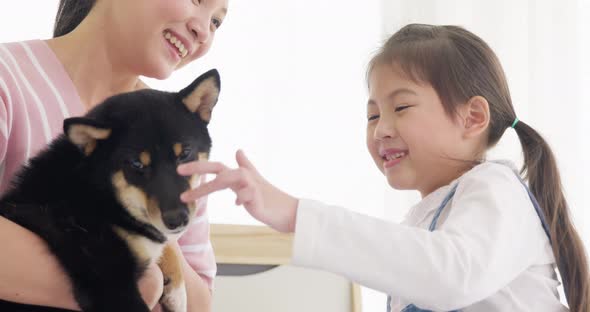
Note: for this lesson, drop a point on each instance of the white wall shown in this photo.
(293, 90)
(294, 98)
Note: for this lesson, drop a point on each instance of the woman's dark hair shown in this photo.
(69, 15)
(459, 65)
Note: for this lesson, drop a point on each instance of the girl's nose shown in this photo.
(385, 129)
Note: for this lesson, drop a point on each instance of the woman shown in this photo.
(100, 48)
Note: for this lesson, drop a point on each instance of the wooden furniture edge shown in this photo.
(259, 245)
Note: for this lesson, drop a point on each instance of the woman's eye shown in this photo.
(216, 22)
(401, 108)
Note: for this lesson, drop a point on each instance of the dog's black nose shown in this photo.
(175, 219)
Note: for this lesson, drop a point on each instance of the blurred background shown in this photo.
(294, 92)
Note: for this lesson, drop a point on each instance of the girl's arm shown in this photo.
(491, 236)
(30, 274)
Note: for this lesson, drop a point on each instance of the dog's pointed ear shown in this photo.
(201, 95)
(84, 132)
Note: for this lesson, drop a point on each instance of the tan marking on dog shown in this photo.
(155, 214)
(203, 98)
(145, 158)
(82, 134)
(174, 294)
(174, 299)
(171, 266)
(139, 205)
(144, 249)
(203, 156)
(177, 147)
(195, 180)
(85, 136)
(131, 197)
(89, 148)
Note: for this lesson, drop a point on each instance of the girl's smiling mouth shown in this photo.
(392, 156)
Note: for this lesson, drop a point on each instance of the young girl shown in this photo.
(101, 47)
(480, 239)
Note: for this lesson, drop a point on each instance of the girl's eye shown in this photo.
(401, 108)
(372, 117)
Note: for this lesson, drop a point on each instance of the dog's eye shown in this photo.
(184, 154)
(136, 164)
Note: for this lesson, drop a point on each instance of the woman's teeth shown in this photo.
(175, 42)
(389, 157)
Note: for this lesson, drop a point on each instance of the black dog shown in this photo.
(105, 195)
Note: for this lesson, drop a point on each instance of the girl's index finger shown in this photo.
(200, 167)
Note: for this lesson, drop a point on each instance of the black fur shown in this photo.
(67, 198)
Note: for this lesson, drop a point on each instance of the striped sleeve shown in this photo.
(196, 245)
(3, 128)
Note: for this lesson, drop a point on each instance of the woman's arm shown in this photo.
(197, 290)
(198, 261)
(30, 274)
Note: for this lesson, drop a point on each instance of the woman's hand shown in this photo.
(261, 199)
(29, 273)
(151, 285)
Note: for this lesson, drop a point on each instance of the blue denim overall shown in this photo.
(413, 308)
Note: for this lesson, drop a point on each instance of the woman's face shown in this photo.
(154, 37)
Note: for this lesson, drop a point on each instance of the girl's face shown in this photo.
(155, 37)
(410, 137)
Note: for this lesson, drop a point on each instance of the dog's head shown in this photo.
(133, 143)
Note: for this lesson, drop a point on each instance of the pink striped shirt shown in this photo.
(36, 95)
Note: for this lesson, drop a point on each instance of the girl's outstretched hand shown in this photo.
(262, 200)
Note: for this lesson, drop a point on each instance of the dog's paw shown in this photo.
(174, 298)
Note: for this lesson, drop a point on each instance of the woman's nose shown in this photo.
(200, 27)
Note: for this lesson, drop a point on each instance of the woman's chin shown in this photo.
(160, 74)
(160, 69)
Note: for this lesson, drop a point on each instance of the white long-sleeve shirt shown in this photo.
(489, 251)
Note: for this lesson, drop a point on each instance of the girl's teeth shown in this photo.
(395, 156)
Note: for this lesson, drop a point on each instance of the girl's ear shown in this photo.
(475, 116)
